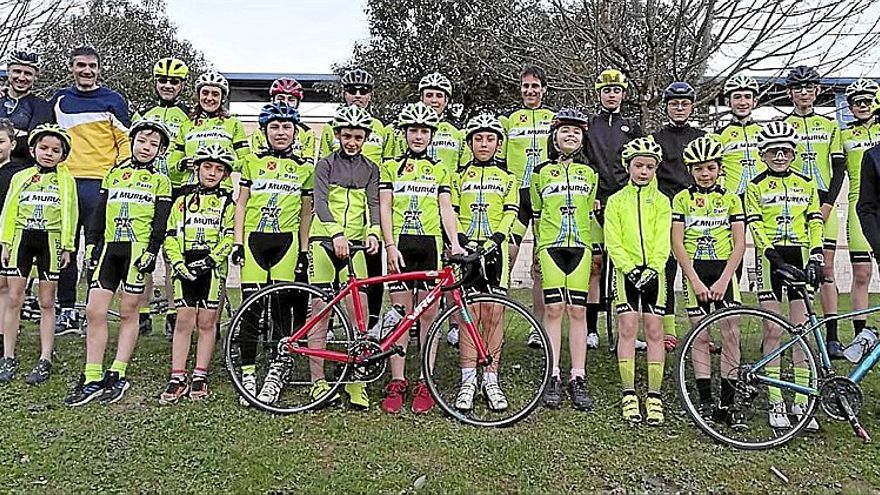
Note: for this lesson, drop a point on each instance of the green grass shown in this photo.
(136, 446)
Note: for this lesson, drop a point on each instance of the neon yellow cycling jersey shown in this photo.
(818, 142)
(858, 138)
(303, 145)
(43, 199)
(132, 195)
(486, 198)
(174, 116)
(782, 209)
(379, 144)
(638, 220)
(525, 143)
(276, 186)
(416, 185)
(707, 215)
(228, 132)
(200, 220)
(448, 147)
(741, 161)
(563, 195)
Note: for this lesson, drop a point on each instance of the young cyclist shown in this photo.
(346, 199)
(782, 209)
(607, 132)
(198, 240)
(740, 162)
(415, 204)
(169, 74)
(357, 85)
(8, 168)
(860, 136)
(39, 219)
(272, 219)
(290, 91)
(638, 219)
(122, 244)
(525, 147)
(485, 196)
(708, 239)
(819, 157)
(563, 195)
(868, 206)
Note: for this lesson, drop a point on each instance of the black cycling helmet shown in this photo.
(357, 77)
(802, 74)
(679, 90)
(569, 116)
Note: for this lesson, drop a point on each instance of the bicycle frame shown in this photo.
(445, 278)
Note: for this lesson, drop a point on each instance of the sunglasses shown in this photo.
(169, 80)
(779, 152)
(862, 102)
(358, 90)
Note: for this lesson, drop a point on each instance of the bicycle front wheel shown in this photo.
(722, 376)
(520, 372)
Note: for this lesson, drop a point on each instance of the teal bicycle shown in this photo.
(772, 386)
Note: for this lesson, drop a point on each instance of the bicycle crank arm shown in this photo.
(383, 355)
(857, 427)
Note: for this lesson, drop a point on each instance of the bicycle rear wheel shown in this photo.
(284, 382)
(720, 387)
(522, 372)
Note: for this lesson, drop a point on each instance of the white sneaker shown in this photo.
(330, 335)
(465, 399)
(592, 341)
(534, 340)
(452, 336)
(778, 416)
(798, 411)
(249, 382)
(272, 385)
(494, 396)
(641, 345)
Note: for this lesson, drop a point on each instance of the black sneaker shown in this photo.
(66, 322)
(8, 367)
(145, 324)
(736, 420)
(84, 392)
(553, 393)
(707, 412)
(114, 388)
(835, 350)
(170, 323)
(580, 397)
(40, 373)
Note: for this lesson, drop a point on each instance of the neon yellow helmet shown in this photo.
(643, 146)
(611, 77)
(50, 130)
(701, 150)
(171, 67)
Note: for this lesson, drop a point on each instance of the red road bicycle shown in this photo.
(268, 337)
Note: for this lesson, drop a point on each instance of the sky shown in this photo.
(293, 36)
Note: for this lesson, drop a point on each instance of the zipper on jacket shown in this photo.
(639, 220)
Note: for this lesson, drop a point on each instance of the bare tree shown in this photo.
(23, 21)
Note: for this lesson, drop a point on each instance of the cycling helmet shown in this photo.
(214, 153)
(701, 150)
(861, 87)
(436, 80)
(357, 77)
(215, 79)
(741, 82)
(171, 67)
(569, 116)
(50, 130)
(611, 77)
(418, 114)
(643, 146)
(777, 134)
(153, 124)
(679, 90)
(24, 57)
(286, 86)
(483, 122)
(354, 117)
(278, 111)
(802, 74)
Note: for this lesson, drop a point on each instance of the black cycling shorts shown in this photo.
(32, 248)
(117, 266)
(709, 272)
(420, 253)
(770, 286)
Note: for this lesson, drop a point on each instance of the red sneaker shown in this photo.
(395, 396)
(422, 400)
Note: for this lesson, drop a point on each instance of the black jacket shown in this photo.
(606, 135)
(868, 206)
(673, 175)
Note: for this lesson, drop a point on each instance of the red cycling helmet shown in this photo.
(286, 86)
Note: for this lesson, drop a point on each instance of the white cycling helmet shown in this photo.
(741, 82)
(214, 153)
(436, 80)
(215, 79)
(354, 117)
(483, 122)
(777, 134)
(860, 87)
(418, 114)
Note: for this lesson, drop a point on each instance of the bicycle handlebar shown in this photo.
(472, 266)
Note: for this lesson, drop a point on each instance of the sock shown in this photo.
(200, 373)
(119, 367)
(468, 375)
(144, 311)
(490, 377)
(774, 395)
(830, 329)
(94, 372)
(669, 325)
(801, 377)
(178, 375)
(593, 318)
(655, 376)
(728, 392)
(249, 369)
(578, 373)
(556, 372)
(704, 389)
(627, 373)
(859, 325)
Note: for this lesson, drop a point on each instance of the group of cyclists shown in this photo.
(597, 194)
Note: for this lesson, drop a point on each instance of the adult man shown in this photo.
(819, 157)
(673, 176)
(97, 119)
(290, 91)
(25, 110)
(607, 132)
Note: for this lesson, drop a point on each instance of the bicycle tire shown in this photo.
(683, 359)
(437, 336)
